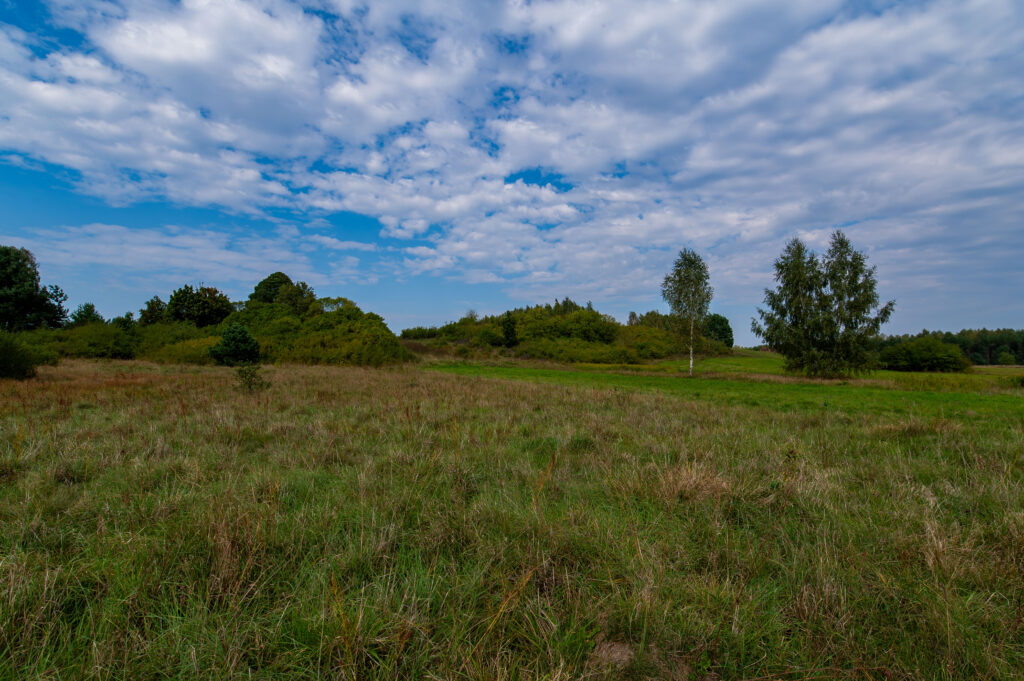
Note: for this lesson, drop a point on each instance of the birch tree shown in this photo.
(688, 293)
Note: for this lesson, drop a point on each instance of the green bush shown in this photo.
(97, 340)
(152, 338)
(17, 360)
(250, 379)
(576, 350)
(1006, 358)
(192, 351)
(650, 342)
(717, 328)
(924, 354)
(236, 347)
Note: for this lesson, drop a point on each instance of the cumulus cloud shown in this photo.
(729, 127)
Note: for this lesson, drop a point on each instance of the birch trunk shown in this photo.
(691, 346)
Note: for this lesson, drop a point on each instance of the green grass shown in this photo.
(759, 383)
(157, 523)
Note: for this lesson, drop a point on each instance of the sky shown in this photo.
(431, 157)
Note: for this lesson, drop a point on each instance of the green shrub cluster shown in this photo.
(332, 331)
(93, 340)
(295, 326)
(924, 354)
(236, 347)
(564, 331)
(18, 360)
(980, 346)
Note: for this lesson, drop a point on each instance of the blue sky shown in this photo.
(426, 158)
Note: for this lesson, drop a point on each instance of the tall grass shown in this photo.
(155, 522)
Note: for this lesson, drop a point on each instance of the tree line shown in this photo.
(824, 316)
(286, 321)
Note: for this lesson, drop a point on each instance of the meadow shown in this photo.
(511, 520)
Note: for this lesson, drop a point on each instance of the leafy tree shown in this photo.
(1006, 357)
(717, 327)
(85, 314)
(236, 347)
(24, 302)
(508, 330)
(299, 297)
(125, 322)
(924, 354)
(267, 290)
(154, 311)
(824, 315)
(204, 306)
(687, 291)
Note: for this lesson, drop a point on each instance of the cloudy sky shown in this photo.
(424, 158)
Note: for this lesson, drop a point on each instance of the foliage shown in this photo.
(1006, 357)
(154, 312)
(153, 337)
(203, 306)
(421, 333)
(564, 331)
(824, 316)
(17, 360)
(299, 298)
(94, 340)
(250, 379)
(125, 322)
(688, 292)
(718, 328)
(190, 351)
(85, 314)
(509, 336)
(24, 302)
(924, 354)
(981, 346)
(332, 331)
(266, 291)
(236, 347)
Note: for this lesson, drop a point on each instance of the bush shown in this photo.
(236, 347)
(249, 378)
(717, 328)
(16, 359)
(96, 340)
(192, 351)
(1006, 358)
(924, 354)
(576, 350)
(152, 338)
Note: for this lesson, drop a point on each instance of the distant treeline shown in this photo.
(978, 346)
(288, 320)
(563, 331)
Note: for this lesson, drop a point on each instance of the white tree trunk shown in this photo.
(691, 346)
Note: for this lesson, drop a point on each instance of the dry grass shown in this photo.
(155, 522)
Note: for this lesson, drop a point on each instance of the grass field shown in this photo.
(472, 521)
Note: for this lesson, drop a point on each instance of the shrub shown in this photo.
(16, 359)
(236, 347)
(96, 340)
(717, 328)
(1006, 358)
(420, 333)
(249, 378)
(924, 354)
(192, 351)
(203, 306)
(152, 338)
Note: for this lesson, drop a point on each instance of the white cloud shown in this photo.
(724, 126)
